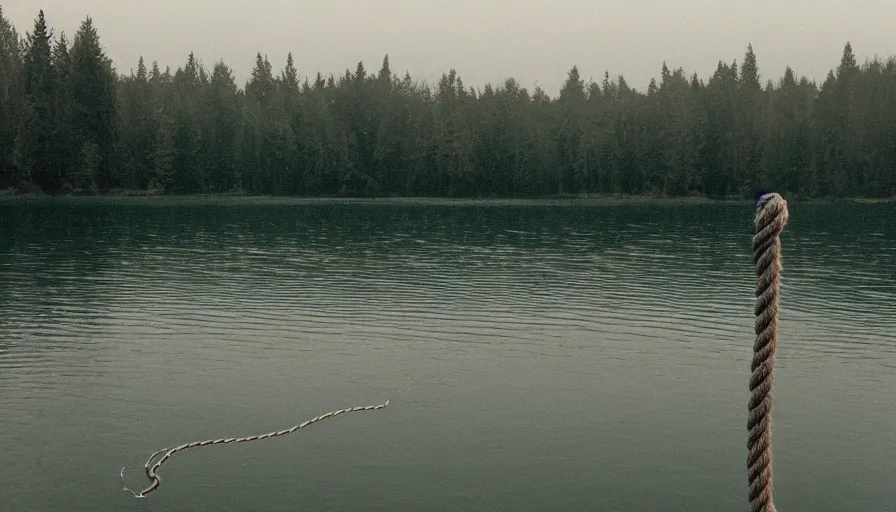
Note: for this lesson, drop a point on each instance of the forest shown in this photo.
(71, 124)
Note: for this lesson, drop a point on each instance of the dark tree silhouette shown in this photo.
(69, 123)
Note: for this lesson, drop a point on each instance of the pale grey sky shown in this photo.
(534, 41)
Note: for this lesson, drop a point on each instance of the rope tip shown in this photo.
(766, 197)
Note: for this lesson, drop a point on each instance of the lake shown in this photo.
(537, 355)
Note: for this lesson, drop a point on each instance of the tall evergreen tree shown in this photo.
(222, 103)
(11, 98)
(190, 165)
(34, 142)
(749, 123)
(569, 132)
(66, 153)
(258, 128)
(720, 102)
(139, 126)
(93, 102)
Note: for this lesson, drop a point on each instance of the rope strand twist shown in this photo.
(151, 468)
(771, 217)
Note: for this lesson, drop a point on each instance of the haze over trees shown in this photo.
(70, 123)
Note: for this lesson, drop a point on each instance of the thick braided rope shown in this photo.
(771, 217)
(151, 468)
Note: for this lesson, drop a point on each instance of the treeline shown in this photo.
(70, 123)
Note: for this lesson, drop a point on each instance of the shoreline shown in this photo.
(566, 199)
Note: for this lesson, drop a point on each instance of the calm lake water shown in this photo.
(537, 356)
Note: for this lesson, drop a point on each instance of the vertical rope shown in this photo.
(771, 217)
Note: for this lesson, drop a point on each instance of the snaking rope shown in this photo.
(771, 217)
(152, 468)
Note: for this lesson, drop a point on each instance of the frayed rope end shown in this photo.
(125, 487)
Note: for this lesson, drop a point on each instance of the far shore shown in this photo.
(566, 199)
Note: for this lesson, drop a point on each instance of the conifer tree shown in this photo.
(11, 99)
(93, 97)
(34, 143)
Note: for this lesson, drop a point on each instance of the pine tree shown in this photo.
(138, 126)
(289, 130)
(569, 131)
(788, 137)
(720, 100)
(749, 121)
(223, 105)
(34, 144)
(93, 95)
(259, 129)
(11, 99)
(680, 140)
(290, 76)
(191, 154)
(65, 156)
(848, 176)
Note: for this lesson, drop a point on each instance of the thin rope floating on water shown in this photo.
(771, 217)
(151, 468)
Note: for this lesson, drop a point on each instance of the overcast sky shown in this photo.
(534, 41)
